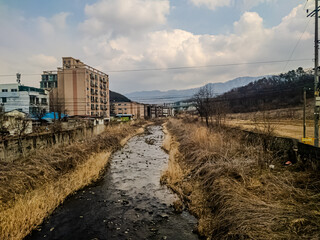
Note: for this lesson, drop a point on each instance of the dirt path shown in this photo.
(127, 203)
(285, 128)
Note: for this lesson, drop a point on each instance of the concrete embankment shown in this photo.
(237, 186)
(32, 187)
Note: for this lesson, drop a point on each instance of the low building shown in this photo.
(156, 111)
(15, 123)
(29, 100)
(49, 80)
(167, 111)
(134, 109)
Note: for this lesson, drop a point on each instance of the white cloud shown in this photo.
(51, 26)
(134, 36)
(248, 4)
(212, 4)
(123, 16)
(32, 45)
(249, 42)
(245, 5)
(46, 62)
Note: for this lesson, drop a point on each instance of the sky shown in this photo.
(169, 44)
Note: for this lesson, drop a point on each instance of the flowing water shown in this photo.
(127, 203)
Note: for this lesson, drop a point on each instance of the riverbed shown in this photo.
(128, 202)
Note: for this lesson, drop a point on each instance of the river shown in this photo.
(128, 202)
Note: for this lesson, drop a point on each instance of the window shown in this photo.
(4, 90)
(119, 104)
(119, 108)
(4, 99)
(14, 90)
(43, 101)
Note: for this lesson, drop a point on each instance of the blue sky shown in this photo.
(134, 34)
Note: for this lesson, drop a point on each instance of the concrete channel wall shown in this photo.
(9, 149)
(286, 148)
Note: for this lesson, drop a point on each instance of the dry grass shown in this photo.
(286, 122)
(286, 128)
(226, 182)
(31, 188)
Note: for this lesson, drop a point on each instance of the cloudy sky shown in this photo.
(200, 40)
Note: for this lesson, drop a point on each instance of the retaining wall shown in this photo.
(286, 148)
(9, 149)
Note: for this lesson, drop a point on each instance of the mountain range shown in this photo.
(156, 96)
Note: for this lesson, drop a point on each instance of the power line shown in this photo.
(295, 47)
(207, 66)
(181, 67)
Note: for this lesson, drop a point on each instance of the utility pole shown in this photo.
(316, 77)
(304, 111)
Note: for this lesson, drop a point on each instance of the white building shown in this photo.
(30, 100)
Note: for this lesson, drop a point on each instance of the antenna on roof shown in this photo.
(18, 78)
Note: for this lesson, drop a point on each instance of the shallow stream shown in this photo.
(127, 203)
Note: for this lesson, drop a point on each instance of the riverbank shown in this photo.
(127, 202)
(240, 190)
(31, 188)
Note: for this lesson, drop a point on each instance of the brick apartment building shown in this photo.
(77, 89)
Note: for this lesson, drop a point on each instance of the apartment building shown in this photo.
(77, 89)
(129, 108)
(29, 100)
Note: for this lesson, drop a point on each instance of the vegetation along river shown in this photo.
(127, 203)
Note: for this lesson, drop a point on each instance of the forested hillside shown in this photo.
(280, 91)
(117, 97)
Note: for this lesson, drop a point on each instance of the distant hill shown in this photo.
(280, 91)
(117, 97)
(179, 95)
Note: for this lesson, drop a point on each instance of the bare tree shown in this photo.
(219, 110)
(59, 110)
(203, 102)
(19, 126)
(3, 127)
(40, 113)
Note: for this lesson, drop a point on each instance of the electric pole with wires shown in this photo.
(315, 13)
